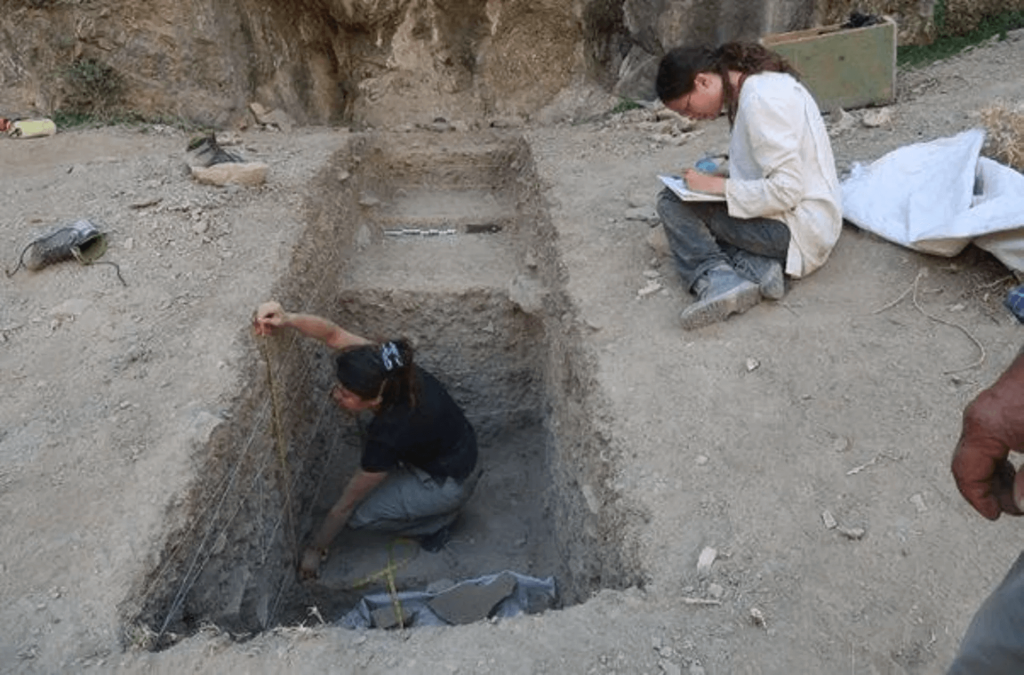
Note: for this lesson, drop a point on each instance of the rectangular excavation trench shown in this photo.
(440, 238)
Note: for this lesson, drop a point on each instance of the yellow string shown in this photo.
(396, 605)
(282, 452)
(391, 567)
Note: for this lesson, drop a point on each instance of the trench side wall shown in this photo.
(228, 556)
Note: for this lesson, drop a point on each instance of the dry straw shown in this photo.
(1005, 140)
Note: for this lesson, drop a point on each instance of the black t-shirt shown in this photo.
(434, 436)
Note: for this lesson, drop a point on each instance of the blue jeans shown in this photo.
(703, 235)
(994, 642)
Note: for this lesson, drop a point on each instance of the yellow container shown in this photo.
(32, 128)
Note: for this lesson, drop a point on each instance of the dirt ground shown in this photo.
(736, 437)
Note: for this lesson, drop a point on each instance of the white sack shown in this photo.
(922, 196)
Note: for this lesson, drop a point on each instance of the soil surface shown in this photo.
(737, 437)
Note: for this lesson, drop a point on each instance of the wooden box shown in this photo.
(843, 67)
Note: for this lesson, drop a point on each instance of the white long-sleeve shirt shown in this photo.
(781, 167)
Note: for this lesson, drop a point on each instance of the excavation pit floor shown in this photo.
(504, 527)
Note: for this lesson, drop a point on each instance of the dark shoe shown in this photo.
(205, 152)
(720, 292)
(81, 242)
(432, 543)
(764, 271)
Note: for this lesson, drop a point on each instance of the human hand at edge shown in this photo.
(309, 565)
(993, 426)
(269, 316)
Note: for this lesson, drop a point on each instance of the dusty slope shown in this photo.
(850, 410)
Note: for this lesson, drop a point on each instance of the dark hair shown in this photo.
(678, 69)
(384, 370)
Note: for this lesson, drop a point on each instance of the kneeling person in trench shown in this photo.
(418, 467)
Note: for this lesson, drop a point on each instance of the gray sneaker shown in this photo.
(764, 271)
(720, 293)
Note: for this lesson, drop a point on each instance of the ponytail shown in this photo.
(385, 370)
(678, 69)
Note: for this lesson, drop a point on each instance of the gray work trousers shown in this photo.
(703, 235)
(409, 502)
(994, 642)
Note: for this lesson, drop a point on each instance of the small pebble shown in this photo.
(670, 668)
(877, 117)
(706, 560)
(828, 519)
(650, 288)
(854, 533)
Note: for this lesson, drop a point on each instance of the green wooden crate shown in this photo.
(843, 67)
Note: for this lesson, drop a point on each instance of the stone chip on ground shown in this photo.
(706, 560)
(385, 617)
(471, 602)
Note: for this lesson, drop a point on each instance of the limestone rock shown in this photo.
(272, 118)
(527, 293)
(386, 62)
(877, 117)
(247, 174)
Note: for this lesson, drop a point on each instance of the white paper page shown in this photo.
(678, 186)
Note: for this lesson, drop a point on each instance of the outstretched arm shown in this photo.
(270, 316)
(360, 485)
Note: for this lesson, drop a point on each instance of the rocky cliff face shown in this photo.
(320, 60)
(376, 61)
